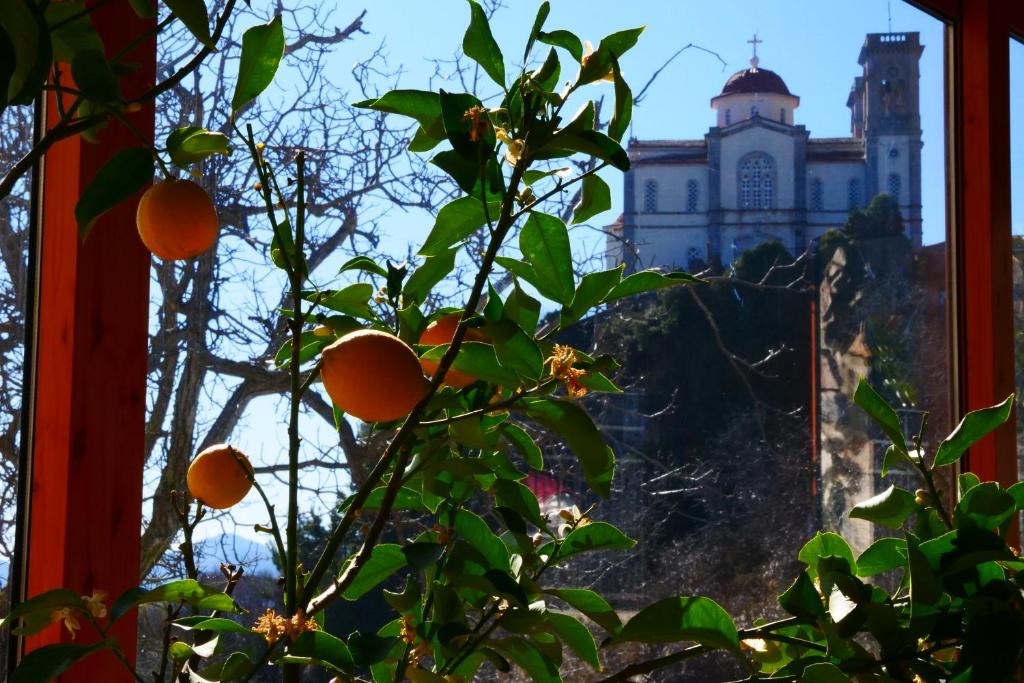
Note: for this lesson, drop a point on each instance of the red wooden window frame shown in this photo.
(85, 431)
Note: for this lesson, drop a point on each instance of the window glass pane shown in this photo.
(809, 195)
(15, 139)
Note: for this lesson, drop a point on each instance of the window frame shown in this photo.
(67, 491)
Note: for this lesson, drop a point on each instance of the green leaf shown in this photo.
(925, 588)
(94, 77)
(48, 662)
(127, 172)
(592, 290)
(369, 648)
(466, 172)
(581, 435)
(515, 349)
(881, 412)
(479, 360)
(29, 41)
(986, 505)
(824, 672)
(351, 300)
(193, 14)
(422, 554)
(522, 309)
(478, 534)
(890, 508)
(427, 275)
(320, 646)
(595, 198)
(525, 444)
(144, 9)
(593, 536)
(190, 592)
(975, 425)
(385, 560)
(565, 40)
(458, 128)
(480, 46)
(538, 24)
(364, 263)
(262, 49)
(647, 281)
(202, 622)
(35, 612)
(611, 48)
(883, 555)
(699, 620)
(825, 545)
(590, 604)
(968, 480)
(193, 143)
(801, 599)
(456, 221)
(422, 105)
(538, 667)
(515, 496)
(589, 142)
(619, 124)
(576, 636)
(74, 31)
(544, 241)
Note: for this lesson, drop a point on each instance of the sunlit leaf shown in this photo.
(647, 281)
(975, 425)
(322, 647)
(479, 360)
(479, 45)
(193, 143)
(699, 620)
(591, 604)
(525, 444)
(479, 534)
(544, 241)
(422, 105)
(890, 508)
(591, 537)
(456, 221)
(427, 275)
(538, 24)
(576, 427)
(824, 545)
(363, 263)
(592, 290)
(619, 124)
(565, 40)
(881, 556)
(595, 198)
(385, 560)
(262, 49)
(577, 636)
(881, 412)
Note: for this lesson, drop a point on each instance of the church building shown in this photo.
(759, 176)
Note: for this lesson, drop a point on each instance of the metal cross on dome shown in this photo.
(754, 61)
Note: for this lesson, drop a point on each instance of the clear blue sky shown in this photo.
(812, 44)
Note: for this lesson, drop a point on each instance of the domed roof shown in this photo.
(755, 80)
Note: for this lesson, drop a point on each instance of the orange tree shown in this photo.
(478, 588)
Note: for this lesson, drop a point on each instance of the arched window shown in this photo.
(692, 195)
(893, 186)
(650, 196)
(817, 194)
(728, 117)
(782, 115)
(693, 259)
(853, 194)
(753, 110)
(757, 181)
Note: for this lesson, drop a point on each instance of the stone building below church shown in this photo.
(758, 175)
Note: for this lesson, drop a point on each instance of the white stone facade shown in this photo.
(759, 176)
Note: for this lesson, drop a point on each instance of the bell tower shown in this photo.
(885, 108)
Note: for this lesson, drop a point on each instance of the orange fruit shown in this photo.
(176, 219)
(216, 477)
(373, 375)
(442, 331)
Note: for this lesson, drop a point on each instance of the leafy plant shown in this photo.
(473, 584)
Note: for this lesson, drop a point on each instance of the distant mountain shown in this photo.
(253, 554)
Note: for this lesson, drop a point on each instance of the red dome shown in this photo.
(755, 81)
